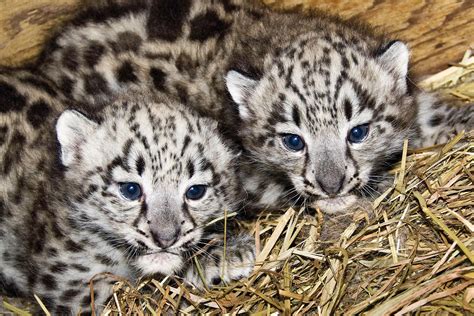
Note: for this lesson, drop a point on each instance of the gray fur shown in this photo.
(252, 69)
(63, 220)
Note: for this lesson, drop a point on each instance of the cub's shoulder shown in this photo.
(29, 106)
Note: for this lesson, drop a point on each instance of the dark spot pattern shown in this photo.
(127, 41)
(40, 84)
(3, 134)
(79, 267)
(63, 310)
(13, 154)
(70, 58)
(93, 53)
(140, 165)
(206, 26)
(38, 113)
(8, 286)
(10, 99)
(68, 295)
(95, 83)
(296, 116)
(186, 142)
(166, 19)
(126, 73)
(66, 85)
(348, 109)
(58, 267)
(158, 77)
(190, 167)
(436, 120)
(105, 260)
(182, 92)
(49, 282)
(73, 246)
(229, 6)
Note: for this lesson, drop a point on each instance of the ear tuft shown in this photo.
(72, 129)
(240, 87)
(395, 57)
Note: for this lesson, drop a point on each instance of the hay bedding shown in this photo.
(412, 251)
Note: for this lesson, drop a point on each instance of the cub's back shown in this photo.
(29, 106)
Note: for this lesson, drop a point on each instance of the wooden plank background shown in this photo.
(438, 31)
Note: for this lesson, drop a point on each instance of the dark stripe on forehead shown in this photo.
(145, 142)
(190, 167)
(347, 109)
(295, 89)
(288, 77)
(117, 161)
(296, 115)
(338, 85)
(140, 165)
(186, 142)
(205, 164)
(365, 100)
(200, 148)
(126, 147)
(126, 152)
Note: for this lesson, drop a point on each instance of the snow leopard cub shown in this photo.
(129, 192)
(322, 105)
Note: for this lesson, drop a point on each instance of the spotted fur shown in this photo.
(263, 75)
(63, 219)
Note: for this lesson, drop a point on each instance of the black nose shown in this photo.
(331, 185)
(166, 238)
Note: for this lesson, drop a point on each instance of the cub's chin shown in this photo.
(161, 262)
(338, 204)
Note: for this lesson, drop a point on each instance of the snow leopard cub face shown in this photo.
(150, 174)
(330, 115)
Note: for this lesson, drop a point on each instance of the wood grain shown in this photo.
(26, 24)
(438, 31)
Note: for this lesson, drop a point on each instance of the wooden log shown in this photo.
(438, 32)
(26, 24)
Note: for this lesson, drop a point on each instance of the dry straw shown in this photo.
(411, 251)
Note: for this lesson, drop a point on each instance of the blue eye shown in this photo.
(293, 142)
(196, 192)
(130, 190)
(358, 134)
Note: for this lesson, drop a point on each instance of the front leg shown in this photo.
(216, 266)
(73, 295)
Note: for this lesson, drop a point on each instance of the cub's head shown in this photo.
(150, 175)
(329, 114)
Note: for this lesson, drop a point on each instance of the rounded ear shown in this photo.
(240, 87)
(72, 129)
(395, 57)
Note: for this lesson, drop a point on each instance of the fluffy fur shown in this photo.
(263, 75)
(63, 217)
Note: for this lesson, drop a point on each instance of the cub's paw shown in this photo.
(217, 268)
